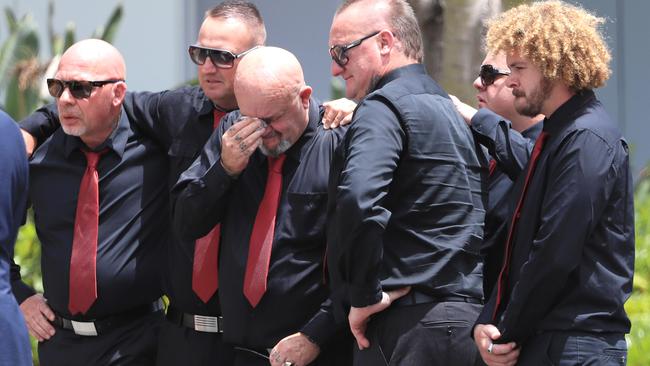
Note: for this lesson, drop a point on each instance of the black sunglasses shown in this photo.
(80, 89)
(338, 51)
(489, 73)
(222, 59)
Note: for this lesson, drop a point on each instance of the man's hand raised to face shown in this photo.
(239, 142)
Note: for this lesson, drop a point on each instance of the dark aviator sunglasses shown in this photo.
(79, 89)
(222, 59)
(489, 73)
(338, 52)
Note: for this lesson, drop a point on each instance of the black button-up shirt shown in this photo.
(133, 218)
(573, 249)
(180, 121)
(296, 298)
(499, 196)
(407, 206)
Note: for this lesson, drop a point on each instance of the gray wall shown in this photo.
(154, 36)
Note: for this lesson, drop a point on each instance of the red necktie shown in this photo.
(83, 261)
(259, 250)
(501, 282)
(205, 273)
(493, 166)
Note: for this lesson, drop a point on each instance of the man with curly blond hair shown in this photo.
(569, 256)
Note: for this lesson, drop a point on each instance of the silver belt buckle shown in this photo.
(84, 328)
(209, 324)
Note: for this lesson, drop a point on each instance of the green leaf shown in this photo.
(11, 20)
(69, 37)
(112, 24)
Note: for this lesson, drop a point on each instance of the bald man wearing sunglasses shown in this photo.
(496, 106)
(101, 213)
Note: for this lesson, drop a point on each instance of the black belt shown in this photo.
(200, 323)
(96, 327)
(416, 297)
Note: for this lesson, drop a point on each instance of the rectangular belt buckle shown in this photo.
(84, 328)
(210, 324)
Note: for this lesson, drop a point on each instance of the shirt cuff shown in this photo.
(362, 296)
(22, 291)
(320, 328)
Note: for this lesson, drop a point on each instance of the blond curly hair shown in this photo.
(563, 40)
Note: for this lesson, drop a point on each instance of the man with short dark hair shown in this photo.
(569, 256)
(406, 204)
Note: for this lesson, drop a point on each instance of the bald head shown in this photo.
(92, 116)
(269, 72)
(269, 85)
(99, 59)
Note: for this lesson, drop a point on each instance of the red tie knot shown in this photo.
(92, 157)
(275, 164)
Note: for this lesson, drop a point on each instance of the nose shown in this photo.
(208, 66)
(336, 69)
(511, 81)
(66, 97)
(478, 85)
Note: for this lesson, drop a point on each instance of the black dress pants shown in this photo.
(180, 345)
(574, 348)
(423, 334)
(133, 344)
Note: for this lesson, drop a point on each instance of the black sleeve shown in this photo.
(42, 123)
(199, 198)
(508, 147)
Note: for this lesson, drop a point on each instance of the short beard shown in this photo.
(282, 147)
(534, 103)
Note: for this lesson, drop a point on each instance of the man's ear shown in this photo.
(386, 41)
(119, 92)
(305, 93)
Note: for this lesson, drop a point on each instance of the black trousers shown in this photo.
(133, 344)
(424, 334)
(574, 348)
(180, 345)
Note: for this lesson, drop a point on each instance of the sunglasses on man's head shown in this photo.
(489, 73)
(79, 89)
(338, 51)
(222, 59)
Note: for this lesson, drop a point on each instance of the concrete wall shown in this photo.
(154, 37)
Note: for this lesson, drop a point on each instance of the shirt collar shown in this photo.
(116, 141)
(413, 69)
(567, 112)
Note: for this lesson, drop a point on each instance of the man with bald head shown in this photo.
(407, 208)
(263, 176)
(100, 203)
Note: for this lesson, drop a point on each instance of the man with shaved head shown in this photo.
(100, 203)
(263, 176)
(407, 209)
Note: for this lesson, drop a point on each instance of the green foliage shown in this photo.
(23, 73)
(638, 307)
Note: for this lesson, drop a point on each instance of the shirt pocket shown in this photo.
(307, 215)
